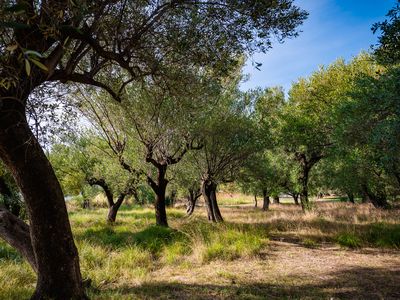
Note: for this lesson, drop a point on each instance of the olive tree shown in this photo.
(72, 41)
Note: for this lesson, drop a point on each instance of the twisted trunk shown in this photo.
(113, 207)
(53, 246)
(378, 199)
(192, 197)
(208, 190)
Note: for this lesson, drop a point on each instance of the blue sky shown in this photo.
(334, 28)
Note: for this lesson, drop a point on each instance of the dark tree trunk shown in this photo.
(57, 258)
(16, 232)
(208, 190)
(305, 204)
(364, 194)
(306, 165)
(276, 199)
(378, 199)
(350, 195)
(136, 196)
(255, 200)
(113, 210)
(265, 200)
(192, 197)
(296, 198)
(159, 188)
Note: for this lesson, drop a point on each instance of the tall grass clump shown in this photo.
(224, 241)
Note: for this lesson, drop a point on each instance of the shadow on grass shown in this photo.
(351, 283)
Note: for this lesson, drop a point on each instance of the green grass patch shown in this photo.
(349, 240)
(384, 235)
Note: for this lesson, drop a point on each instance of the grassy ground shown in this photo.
(336, 251)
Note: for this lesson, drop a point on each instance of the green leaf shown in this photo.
(32, 52)
(27, 67)
(39, 64)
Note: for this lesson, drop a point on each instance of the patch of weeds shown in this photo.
(349, 240)
(384, 235)
(155, 238)
(230, 244)
(107, 236)
(308, 243)
(8, 253)
(174, 253)
(227, 275)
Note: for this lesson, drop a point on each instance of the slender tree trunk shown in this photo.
(296, 198)
(208, 191)
(305, 205)
(136, 196)
(255, 200)
(57, 258)
(194, 194)
(276, 199)
(265, 200)
(350, 195)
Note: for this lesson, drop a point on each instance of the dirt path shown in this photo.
(285, 271)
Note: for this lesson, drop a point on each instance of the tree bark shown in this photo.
(56, 255)
(113, 210)
(255, 200)
(305, 205)
(296, 198)
(208, 190)
(378, 199)
(276, 199)
(266, 200)
(159, 187)
(192, 197)
(350, 195)
(16, 233)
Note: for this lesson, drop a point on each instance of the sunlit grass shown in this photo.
(133, 250)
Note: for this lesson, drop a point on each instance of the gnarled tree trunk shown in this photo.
(378, 199)
(56, 256)
(266, 200)
(113, 207)
(208, 190)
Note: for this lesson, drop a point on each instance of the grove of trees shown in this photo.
(143, 97)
